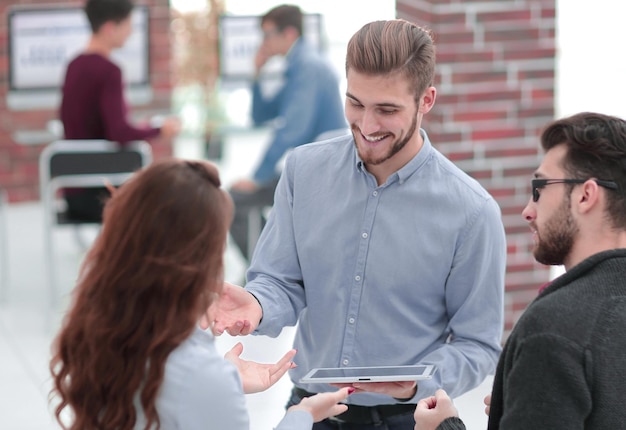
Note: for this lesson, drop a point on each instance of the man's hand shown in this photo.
(431, 411)
(171, 127)
(324, 405)
(399, 390)
(257, 377)
(236, 312)
(244, 186)
(487, 402)
(260, 58)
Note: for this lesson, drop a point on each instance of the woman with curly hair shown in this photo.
(130, 354)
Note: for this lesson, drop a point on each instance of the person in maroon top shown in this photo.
(93, 104)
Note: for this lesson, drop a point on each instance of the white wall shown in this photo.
(591, 58)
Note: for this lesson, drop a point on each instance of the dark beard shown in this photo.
(395, 148)
(557, 239)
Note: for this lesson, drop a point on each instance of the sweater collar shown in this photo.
(581, 268)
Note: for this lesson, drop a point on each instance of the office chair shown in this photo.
(81, 164)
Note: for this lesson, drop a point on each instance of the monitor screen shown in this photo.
(42, 40)
(240, 37)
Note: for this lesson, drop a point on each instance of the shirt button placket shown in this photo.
(350, 328)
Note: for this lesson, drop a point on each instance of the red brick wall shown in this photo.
(19, 162)
(495, 85)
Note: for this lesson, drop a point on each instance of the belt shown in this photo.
(357, 414)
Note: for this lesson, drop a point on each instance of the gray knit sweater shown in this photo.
(564, 364)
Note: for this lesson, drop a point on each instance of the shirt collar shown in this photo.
(409, 168)
(294, 48)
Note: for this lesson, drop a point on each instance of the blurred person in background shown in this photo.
(93, 104)
(305, 108)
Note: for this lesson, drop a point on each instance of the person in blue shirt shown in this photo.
(380, 249)
(306, 107)
(130, 354)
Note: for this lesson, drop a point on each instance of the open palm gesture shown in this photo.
(258, 377)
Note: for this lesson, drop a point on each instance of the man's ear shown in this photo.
(428, 100)
(588, 196)
(106, 28)
(291, 32)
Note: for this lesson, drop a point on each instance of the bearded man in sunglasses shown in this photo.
(563, 365)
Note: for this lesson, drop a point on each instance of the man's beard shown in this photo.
(555, 242)
(396, 146)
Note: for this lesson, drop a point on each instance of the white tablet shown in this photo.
(368, 374)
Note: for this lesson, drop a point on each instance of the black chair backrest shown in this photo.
(94, 162)
(87, 164)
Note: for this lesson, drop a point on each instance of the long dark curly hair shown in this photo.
(154, 269)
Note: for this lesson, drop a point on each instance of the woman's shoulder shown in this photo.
(200, 384)
(198, 355)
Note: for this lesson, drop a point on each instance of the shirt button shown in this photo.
(345, 362)
(357, 278)
(364, 235)
(351, 320)
(375, 193)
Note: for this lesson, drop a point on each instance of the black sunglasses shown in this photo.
(536, 184)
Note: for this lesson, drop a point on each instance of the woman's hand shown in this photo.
(324, 405)
(258, 377)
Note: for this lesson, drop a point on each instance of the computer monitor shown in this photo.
(240, 37)
(42, 41)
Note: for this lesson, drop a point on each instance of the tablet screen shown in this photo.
(372, 374)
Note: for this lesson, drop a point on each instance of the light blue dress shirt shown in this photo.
(203, 391)
(308, 105)
(408, 272)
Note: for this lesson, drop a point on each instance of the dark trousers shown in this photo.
(403, 421)
(86, 204)
(248, 205)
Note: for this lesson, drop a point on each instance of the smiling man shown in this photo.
(382, 250)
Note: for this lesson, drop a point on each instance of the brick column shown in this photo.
(19, 171)
(495, 84)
